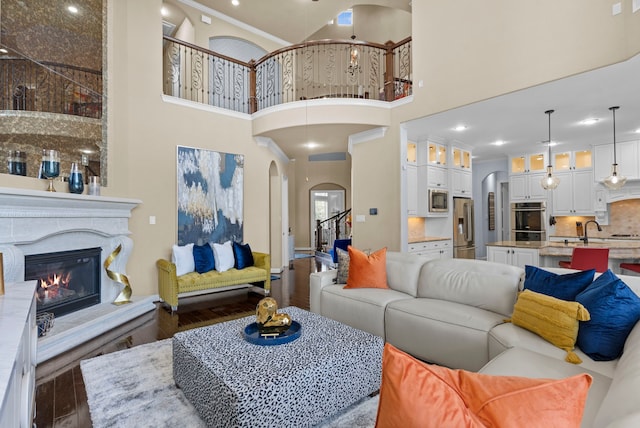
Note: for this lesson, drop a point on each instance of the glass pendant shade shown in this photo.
(614, 181)
(549, 181)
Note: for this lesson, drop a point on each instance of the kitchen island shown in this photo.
(549, 253)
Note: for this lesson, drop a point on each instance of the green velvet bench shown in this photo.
(171, 286)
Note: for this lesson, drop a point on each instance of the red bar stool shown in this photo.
(635, 267)
(588, 258)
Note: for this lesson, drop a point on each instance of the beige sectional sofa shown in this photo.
(451, 312)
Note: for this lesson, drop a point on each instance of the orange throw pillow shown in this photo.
(417, 394)
(367, 271)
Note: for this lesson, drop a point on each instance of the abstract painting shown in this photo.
(210, 196)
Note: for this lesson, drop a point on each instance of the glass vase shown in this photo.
(76, 183)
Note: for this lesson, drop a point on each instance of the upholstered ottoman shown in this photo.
(232, 382)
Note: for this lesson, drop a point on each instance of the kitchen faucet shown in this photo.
(586, 239)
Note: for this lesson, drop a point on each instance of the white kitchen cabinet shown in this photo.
(574, 194)
(412, 153)
(433, 154)
(514, 256)
(433, 176)
(527, 187)
(433, 249)
(461, 182)
(572, 160)
(627, 156)
(460, 158)
(528, 163)
(412, 190)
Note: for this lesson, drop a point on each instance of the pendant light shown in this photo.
(614, 181)
(549, 182)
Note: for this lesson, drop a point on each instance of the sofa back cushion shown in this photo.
(485, 285)
(403, 271)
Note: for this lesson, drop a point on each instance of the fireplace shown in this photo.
(67, 281)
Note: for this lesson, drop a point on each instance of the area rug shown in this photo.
(134, 388)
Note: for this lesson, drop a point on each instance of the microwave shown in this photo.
(438, 201)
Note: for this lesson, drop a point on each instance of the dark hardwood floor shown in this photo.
(61, 399)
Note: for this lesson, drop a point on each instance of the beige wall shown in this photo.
(144, 132)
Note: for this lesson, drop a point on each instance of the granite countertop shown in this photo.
(600, 238)
(618, 249)
(415, 240)
(519, 244)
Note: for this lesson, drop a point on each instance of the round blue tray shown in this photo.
(252, 335)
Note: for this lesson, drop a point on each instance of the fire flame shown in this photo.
(53, 284)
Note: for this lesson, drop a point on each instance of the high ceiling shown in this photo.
(517, 118)
(296, 19)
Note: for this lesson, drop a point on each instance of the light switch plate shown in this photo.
(360, 218)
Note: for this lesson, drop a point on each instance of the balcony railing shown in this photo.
(50, 87)
(312, 70)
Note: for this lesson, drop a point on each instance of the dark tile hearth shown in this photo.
(60, 393)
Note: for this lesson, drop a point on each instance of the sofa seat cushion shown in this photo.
(361, 308)
(441, 332)
(213, 279)
(484, 285)
(621, 403)
(524, 362)
(506, 336)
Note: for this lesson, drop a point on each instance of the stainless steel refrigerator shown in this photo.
(463, 242)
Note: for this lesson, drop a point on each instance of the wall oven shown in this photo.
(528, 221)
(438, 201)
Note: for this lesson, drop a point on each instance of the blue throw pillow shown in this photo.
(614, 310)
(203, 258)
(564, 287)
(243, 255)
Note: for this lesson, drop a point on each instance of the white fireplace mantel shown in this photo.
(36, 222)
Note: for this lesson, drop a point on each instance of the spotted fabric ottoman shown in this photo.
(233, 383)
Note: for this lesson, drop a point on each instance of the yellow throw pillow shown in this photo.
(421, 395)
(553, 319)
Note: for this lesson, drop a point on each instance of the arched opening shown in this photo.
(325, 201)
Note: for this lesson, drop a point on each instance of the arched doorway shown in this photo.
(326, 200)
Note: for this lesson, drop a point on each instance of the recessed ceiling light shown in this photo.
(312, 145)
(164, 11)
(499, 143)
(460, 128)
(72, 9)
(235, 2)
(590, 121)
(638, 131)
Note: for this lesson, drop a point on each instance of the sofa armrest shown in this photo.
(263, 261)
(167, 282)
(317, 281)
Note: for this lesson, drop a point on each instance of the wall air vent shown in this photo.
(323, 157)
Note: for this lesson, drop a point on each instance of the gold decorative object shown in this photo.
(269, 321)
(125, 294)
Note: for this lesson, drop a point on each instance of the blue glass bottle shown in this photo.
(76, 184)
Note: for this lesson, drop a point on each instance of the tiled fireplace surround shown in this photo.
(34, 222)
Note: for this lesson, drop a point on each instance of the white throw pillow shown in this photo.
(182, 257)
(223, 253)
